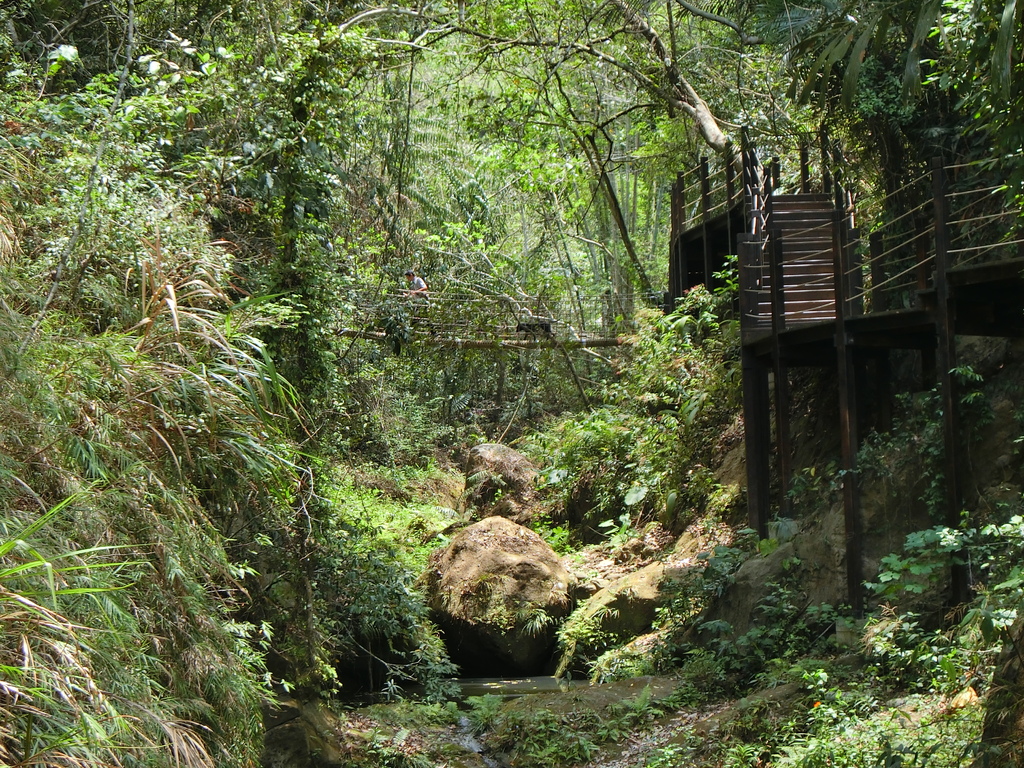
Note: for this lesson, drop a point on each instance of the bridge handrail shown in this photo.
(445, 313)
(977, 234)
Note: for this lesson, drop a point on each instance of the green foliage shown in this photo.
(981, 66)
(671, 755)
(812, 489)
(785, 629)
(629, 661)
(583, 637)
(618, 532)
(926, 659)
(408, 531)
(54, 701)
(135, 387)
(879, 98)
(537, 736)
(640, 453)
(603, 457)
(942, 659)
(183, 232)
(557, 536)
(483, 711)
(721, 562)
(544, 738)
(924, 564)
(366, 624)
(106, 429)
(828, 37)
(852, 732)
(908, 460)
(139, 388)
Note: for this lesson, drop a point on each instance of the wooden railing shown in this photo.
(799, 246)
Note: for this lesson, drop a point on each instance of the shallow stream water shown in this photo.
(514, 686)
(506, 688)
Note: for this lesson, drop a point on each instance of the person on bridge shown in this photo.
(417, 285)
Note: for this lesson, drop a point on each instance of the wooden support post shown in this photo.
(677, 268)
(876, 246)
(849, 419)
(945, 323)
(673, 233)
(826, 174)
(751, 186)
(746, 249)
(861, 366)
(853, 271)
(756, 403)
(757, 440)
(928, 368)
(805, 168)
(705, 208)
(783, 440)
(883, 377)
(730, 185)
(730, 195)
(928, 378)
(921, 270)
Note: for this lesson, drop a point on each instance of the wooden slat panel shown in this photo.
(794, 214)
(794, 277)
(804, 202)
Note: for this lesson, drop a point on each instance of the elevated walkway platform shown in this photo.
(814, 292)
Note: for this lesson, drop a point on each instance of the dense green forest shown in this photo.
(230, 446)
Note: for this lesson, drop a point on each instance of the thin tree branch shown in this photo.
(686, 97)
(694, 10)
(589, 50)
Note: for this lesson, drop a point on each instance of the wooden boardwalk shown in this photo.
(814, 292)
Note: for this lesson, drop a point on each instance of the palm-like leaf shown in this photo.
(829, 41)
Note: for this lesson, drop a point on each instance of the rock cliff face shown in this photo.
(496, 592)
(898, 472)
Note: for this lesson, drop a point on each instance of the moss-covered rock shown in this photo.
(496, 592)
(615, 615)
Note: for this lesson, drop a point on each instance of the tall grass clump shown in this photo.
(169, 556)
(142, 426)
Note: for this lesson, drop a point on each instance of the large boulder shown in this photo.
(496, 592)
(499, 481)
(617, 614)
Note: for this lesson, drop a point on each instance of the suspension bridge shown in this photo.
(447, 318)
(813, 291)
